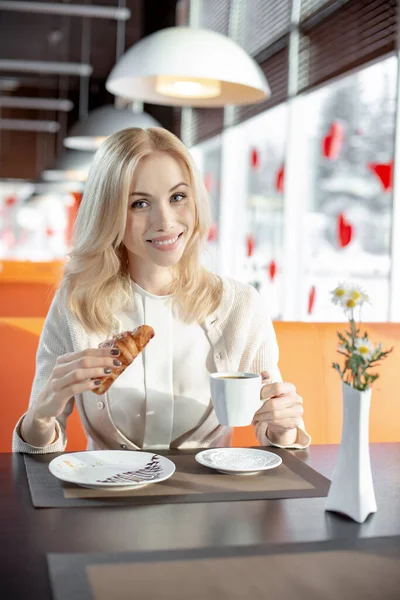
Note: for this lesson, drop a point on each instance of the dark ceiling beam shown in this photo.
(51, 38)
(29, 125)
(72, 10)
(45, 67)
(36, 103)
(159, 15)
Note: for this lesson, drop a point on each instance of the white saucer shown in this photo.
(112, 469)
(238, 461)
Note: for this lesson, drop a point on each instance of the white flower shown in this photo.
(349, 296)
(356, 293)
(339, 294)
(364, 348)
(350, 303)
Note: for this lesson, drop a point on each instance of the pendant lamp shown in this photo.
(102, 122)
(71, 165)
(186, 66)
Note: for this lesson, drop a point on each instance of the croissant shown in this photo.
(130, 344)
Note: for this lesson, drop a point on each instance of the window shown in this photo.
(346, 163)
(208, 158)
(33, 226)
(263, 149)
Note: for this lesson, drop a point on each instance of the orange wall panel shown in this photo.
(27, 288)
(303, 365)
(306, 353)
(385, 405)
(17, 368)
(25, 299)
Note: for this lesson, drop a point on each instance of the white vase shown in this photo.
(352, 489)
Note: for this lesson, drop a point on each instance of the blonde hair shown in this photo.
(96, 283)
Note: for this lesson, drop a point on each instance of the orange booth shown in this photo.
(307, 351)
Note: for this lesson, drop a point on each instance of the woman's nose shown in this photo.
(162, 217)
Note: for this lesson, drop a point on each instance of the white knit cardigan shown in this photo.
(242, 338)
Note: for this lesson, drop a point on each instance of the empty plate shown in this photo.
(238, 461)
(112, 469)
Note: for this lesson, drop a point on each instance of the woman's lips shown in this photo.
(166, 244)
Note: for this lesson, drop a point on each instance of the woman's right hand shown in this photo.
(74, 373)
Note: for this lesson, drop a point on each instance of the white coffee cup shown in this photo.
(235, 397)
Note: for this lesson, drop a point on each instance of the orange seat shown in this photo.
(20, 299)
(306, 353)
(27, 288)
(20, 338)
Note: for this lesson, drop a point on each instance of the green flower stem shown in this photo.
(353, 330)
(355, 370)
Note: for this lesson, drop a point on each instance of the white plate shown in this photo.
(112, 469)
(238, 461)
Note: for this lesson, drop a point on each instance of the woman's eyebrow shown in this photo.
(177, 185)
(149, 195)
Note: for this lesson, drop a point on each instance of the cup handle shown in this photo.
(264, 381)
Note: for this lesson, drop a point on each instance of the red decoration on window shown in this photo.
(209, 182)
(250, 244)
(272, 270)
(10, 201)
(280, 179)
(255, 159)
(333, 141)
(49, 232)
(24, 235)
(311, 300)
(72, 211)
(8, 238)
(384, 172)
(344, 231)
(213, 233)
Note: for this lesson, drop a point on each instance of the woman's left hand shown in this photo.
(282, 410)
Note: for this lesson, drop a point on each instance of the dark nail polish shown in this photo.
(114, 352)
(97, 382)
(107, 371)
(117, 363)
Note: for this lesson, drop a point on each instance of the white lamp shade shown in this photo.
(185, 66)
(102, 122)
(71, 165)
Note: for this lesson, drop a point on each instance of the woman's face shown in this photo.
(161, 212)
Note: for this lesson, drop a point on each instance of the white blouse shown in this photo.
(165, 392)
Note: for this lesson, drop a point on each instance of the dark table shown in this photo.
(27, 534)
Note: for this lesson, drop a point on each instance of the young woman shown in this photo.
(136, 260)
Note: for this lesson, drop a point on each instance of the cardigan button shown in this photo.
(123, 446)
(218, 356)
(100, 405)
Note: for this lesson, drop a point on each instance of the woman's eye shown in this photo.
(139, 204)
(178, 197)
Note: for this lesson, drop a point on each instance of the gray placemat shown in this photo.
(190, 483)
(344, 568)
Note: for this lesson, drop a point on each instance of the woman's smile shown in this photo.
(166, 243)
